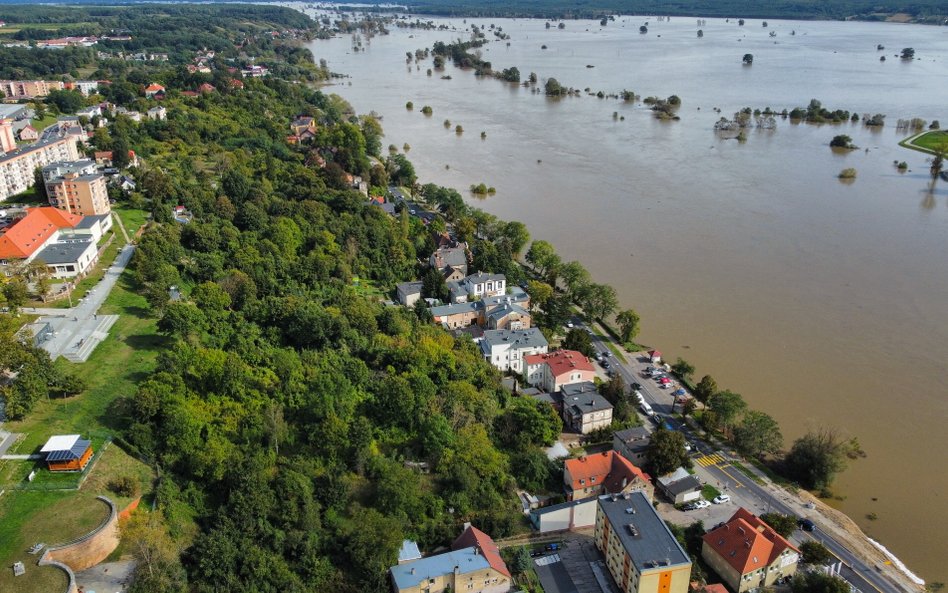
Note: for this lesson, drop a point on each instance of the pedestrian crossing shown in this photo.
(712, 459)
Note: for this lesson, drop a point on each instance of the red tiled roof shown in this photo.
(607, 468)
(474, 537)
(714, 588)
(561, 361)
(154, 87)
(25, 237)
(747, 543)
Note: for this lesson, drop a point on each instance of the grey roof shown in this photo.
(554, 399)
(409, 551)
(643, 534)
(688, 484)
(413, 287)
(522, 338)
(506, 309)
(90, 221)
(679, 474)
(583, 398)
(631, 435)
(411, 574)
(29, 148)
(64, 252)
(74, 452)
(451, 256)
(563, 505)
(455, 308)
(11, 111)
(60, 168)
(484, 277)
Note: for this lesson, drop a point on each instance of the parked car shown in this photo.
(689, 507)
(722, 498)
(569, 324)
(656, 419)
(639, 398)
(701, 503)
(636, 386)
(605, 364)
(806, 525)
(598, 356)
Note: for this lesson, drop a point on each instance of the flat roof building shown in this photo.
(641, 553)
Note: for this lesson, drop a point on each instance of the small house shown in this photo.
(67, 453)
(28, 134)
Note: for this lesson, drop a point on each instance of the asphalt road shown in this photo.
(743, 490)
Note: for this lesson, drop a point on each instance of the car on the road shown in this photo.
(639, 398)
(722, 498)
(597, 356)
(606, 353)
(806, 525)
(636, 386)
(604, 363)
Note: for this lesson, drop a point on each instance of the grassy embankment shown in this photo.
(50, 509)
(927, 142)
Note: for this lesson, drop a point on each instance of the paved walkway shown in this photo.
(78, 330)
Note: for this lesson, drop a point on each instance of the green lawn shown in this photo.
(709, 492)
(928, 142)
(132, 218)
(112, 371)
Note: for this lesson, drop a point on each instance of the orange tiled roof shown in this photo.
(607, 468)
(474, 537)
(154, 87)
(747, 543)
(561, 361)
(25, 237)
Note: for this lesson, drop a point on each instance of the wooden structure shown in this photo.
(67, 453)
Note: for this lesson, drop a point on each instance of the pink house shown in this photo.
(553, 370)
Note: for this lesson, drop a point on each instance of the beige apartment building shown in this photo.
(641, 552)
(77, 188)
(27, 89)
(17, 167)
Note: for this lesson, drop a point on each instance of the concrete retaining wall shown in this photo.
(86, 551)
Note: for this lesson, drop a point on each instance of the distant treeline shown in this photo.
(790, 9)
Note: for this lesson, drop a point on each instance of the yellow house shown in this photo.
(641, 552)
(473, 565)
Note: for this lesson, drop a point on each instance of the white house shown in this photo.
(506, 349)
(477, 286)
(551, 371)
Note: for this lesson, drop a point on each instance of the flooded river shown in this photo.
(823, 303)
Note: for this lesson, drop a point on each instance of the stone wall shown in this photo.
(88, 550)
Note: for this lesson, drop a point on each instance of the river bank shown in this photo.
(749, 260)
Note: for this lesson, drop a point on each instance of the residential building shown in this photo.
(135, 116)
(86, 87)
(459, 315)
(77, 187)
(65, 242)
(506, 349)
(408, 293)
(747, 553)
(641, 553)
(562, 367)
(632, 443)
(159, 113)
(477, 286)
(17, 167)
(680, 486)
(67, 453)
(454, 257)
(572, 514)
(509, 316)
(473, 565)
(603, 473)
(28, 134)
(7, 138)
(584, 408)
(302, 124)
(153, 90)
(28, 89)
(68, 258)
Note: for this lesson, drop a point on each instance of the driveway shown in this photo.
(108, 577)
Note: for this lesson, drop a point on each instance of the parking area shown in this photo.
(575, 567)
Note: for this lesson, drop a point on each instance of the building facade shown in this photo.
(17, 167)
(77, 188)
(506, 349)
(641, 553)
(27, 89)
(608, 472)
(748, 554)
(584, 408)
(553, 370)
(473, 565)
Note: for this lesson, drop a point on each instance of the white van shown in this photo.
(646, 409)
(639, 398)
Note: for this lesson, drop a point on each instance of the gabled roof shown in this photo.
(561, 361)
(412, 574)
(522, 338)
(607, 468)
(154, 87)
(474, 537)
(746, 542)
(26, 236)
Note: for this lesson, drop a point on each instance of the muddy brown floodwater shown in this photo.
(823, 303)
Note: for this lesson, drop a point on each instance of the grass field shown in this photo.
(12, 28)
(132, 218)
(113, 371)
(928, 142)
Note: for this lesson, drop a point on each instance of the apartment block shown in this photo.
(17, 167)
